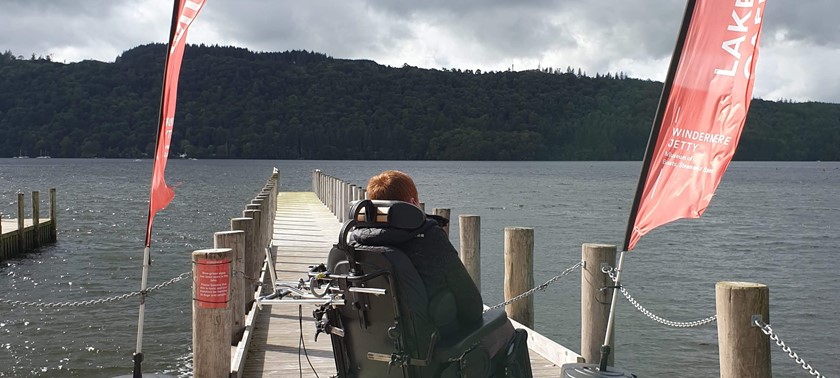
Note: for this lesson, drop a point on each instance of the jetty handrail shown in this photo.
(224, 288)
(695, 323)
(335, 193)
(98, 300)
(541, 287)
(781, 344)
(756, 322)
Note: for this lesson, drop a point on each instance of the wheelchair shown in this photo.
(381, 321)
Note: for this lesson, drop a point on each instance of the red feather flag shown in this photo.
(161, 194)
(705, 106)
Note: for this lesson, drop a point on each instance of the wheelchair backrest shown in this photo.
(381, 324)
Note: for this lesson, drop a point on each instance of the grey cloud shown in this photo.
(813, 21)
(594, 35)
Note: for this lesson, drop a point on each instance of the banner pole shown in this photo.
(634, 209)
(138, 353)
(147, 259)
(606, 348)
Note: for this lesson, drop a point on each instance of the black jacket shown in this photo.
(437, 262)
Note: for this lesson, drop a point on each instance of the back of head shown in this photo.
(392, 185)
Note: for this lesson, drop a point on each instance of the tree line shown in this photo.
(234, 103)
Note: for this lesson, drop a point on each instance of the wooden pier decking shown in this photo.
(304, 231)
(21, 234)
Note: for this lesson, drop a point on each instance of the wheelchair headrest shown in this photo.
(388, 214)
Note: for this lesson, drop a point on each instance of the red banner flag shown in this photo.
(184, 12)
(706, 108)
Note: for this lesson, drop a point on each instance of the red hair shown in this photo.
(392, 185)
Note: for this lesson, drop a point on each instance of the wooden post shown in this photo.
(235, 240)
(256, 258)
(342, 201)
(443, 213)
(422, 206)
(248, 224)
(36, 219)
(744, 349)
(351, 194)
(333, 194)
(262, 206)
(519, 273)
(21, 240)
(53, 218)
(594, 302)
(470, 236)
(315, 183)
(249, 278)
(211, 312)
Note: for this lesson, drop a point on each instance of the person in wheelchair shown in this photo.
(431, 253)
(410, 309)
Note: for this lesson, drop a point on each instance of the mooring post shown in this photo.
(744, 349)
(53, 218)
(235, 241)
(36, 219)
(252, 251)
(519, 273)
(257, 255)
(595, 300)
(248, 276)
(21, 239)
(470, 239)
(211, 312)
(259, 203)
(445, 213)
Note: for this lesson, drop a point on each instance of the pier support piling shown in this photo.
(744, 349)
(519, 273)
(594, 300)
(470, 240)
(211, 312)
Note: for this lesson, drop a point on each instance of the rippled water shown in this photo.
(773, 223)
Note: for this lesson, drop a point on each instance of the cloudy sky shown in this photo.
(800, 47)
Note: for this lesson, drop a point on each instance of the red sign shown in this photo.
(161, 194)
(212, 283)
(704, 113)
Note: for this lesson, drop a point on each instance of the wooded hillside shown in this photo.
(233, 103)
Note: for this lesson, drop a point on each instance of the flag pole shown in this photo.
(147, 260)
(634, 210)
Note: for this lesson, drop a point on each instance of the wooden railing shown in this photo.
(226, 280)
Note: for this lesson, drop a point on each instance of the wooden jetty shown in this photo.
(304, 231)
(24, 234)
(234, 336)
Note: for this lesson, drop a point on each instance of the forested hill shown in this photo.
(233, 103)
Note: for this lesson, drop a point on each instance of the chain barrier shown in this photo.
(537, 288)
(696, 323)
(96, 301)
(769, 332)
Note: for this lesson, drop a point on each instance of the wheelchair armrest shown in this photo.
(493, 321)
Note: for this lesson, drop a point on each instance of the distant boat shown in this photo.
(43, 156)
(21, 155)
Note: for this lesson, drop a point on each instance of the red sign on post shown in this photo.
(212, 283)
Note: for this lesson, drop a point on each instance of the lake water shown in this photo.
(776, 223)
